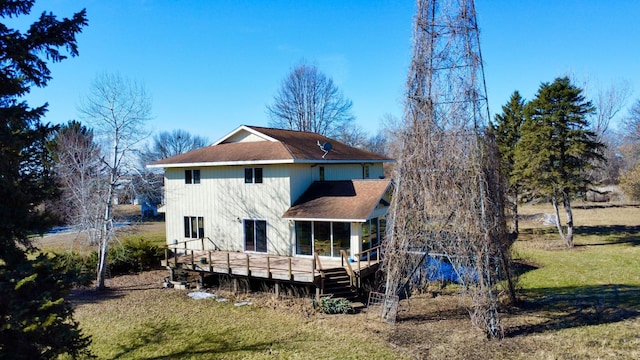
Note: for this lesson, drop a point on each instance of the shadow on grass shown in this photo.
(615, 234)
(605, 206)
(92, 296)
(161, 336)
(573, 307)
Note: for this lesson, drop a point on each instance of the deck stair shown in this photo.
(337, 283)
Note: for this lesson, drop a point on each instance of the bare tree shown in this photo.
(308, 100)
(608, 103)
(167, 144)
(83, 178)
(147, 185)
(118, 109)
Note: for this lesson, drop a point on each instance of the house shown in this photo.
(278, 193)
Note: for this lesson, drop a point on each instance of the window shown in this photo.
(192, 176)
(365, 171)
(321, 170)
(323, 237)
(253, 175)
(341, 237)
(193, 227)
(303, 238)
(255, 235)
(371, 232)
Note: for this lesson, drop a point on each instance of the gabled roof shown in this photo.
(259, 145)
(351, 200)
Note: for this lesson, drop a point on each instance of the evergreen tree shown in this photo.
(555, 148)
(36, 320)
(507, 132)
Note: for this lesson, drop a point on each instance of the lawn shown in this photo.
(582, 303)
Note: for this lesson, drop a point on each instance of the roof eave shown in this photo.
(264, 162)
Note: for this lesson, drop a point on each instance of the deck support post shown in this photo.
(268, 268)
(201, 279)
(277, 289)
(234, 281)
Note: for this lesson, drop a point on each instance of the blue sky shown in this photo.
(211, 66)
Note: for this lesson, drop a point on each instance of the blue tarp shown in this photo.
(435, 269)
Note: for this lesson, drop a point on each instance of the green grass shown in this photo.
(580, 303)
(164, 323)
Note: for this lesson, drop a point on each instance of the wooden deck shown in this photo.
(306, 270)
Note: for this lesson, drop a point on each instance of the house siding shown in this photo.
(224, 200)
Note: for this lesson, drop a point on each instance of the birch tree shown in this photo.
(117, 108)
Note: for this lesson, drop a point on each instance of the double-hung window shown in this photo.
(193, 227)
(192, 176)
(253, 175)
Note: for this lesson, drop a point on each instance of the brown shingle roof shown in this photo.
(304, 145)
(290, 146)
(348, 200)
(232, 152)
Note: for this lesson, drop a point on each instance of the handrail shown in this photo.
(316, 260)
(369, 251)
(177, 244)
(345, 258)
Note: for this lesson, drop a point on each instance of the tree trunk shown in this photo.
(554, 201)
(514, 210)
(108, 222)
(102, 266)
(568, 239)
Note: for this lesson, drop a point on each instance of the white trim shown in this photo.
(327, 220)
(265, 162)
(245, 128)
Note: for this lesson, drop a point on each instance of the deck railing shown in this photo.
(190, 256)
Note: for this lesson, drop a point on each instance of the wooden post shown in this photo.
(290, 274)
(228, 264)
(210, 263)
(248, 269)
(175, 257)
(202, 243)
(359, 272)
(193, 262)
(277, 289)
(268, 267)
(201, 279)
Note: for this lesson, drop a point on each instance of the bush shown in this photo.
(630, 183)
(135, 255)
(79, 270)
(330, 305)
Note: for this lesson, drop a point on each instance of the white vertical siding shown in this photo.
(224, 200)
(301, 178)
